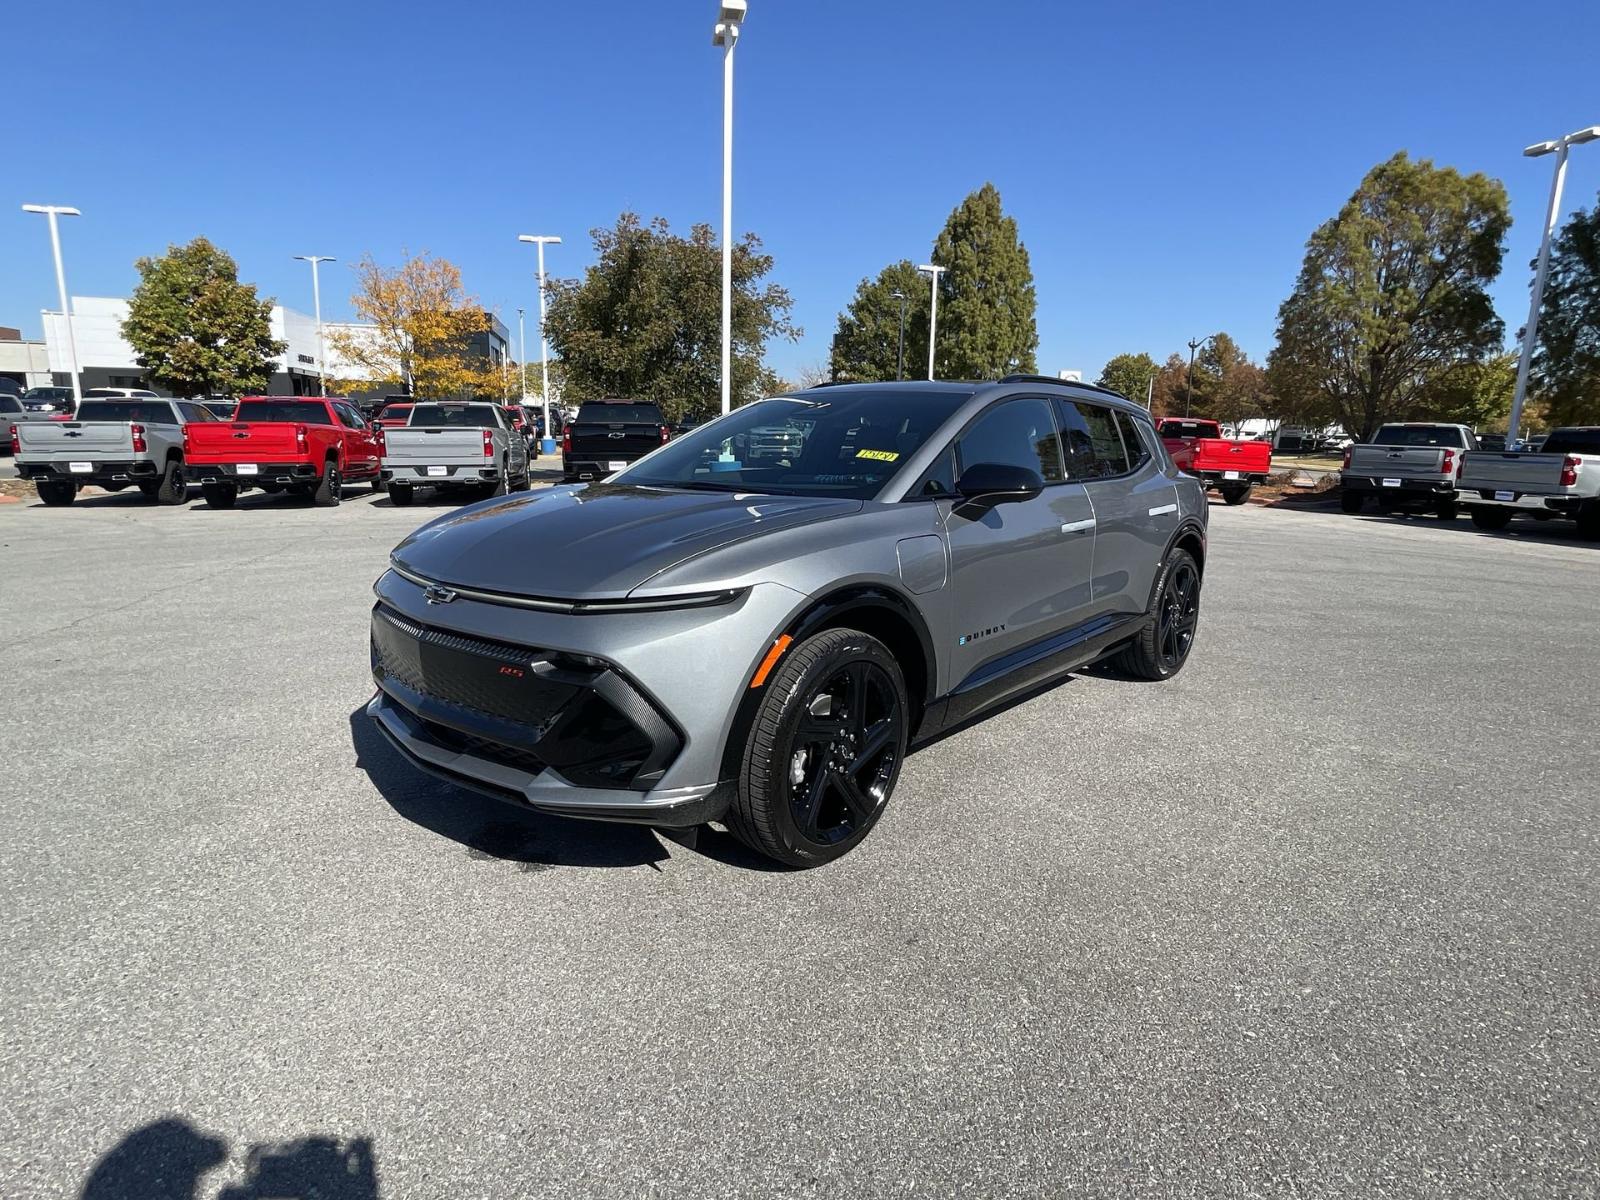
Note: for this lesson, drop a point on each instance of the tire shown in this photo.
(272, 489)
(220, 495)
(1589, 521)
(379, 487)
(526, 481)
(1162, 647)
(1351, 502)
(150, 491)
(835, 801)
(402, 495)
(1446, 510)
(173, 488)
(1489, 518)
(57, 493)
(500, 486)
(330, 488)
(1236, 494)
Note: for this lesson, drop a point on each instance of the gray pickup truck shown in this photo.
(1561, 479)
(113, 444)
(447, 445)
(1407, 465)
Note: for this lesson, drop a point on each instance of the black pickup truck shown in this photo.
(607, 435)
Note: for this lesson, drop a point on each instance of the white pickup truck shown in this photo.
(114, 444)
(1410, 464)
(448, 445)
(1561, 479)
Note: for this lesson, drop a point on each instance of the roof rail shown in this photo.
(1093, 387)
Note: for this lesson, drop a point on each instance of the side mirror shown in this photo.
(998, 483)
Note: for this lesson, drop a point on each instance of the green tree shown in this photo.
(1474, 393)
(196, 329)
(866, 341)
(1566, 362)
(645, 320)
(1392, 293)
(986, 325)
(1129, 374)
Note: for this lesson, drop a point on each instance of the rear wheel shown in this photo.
(330, 489)
(1490, 518)
(401, 494)
(499, 486)
(825, 750)
(219, 495)
(173, 488)
(1445, 510)
(378, 485)
(1589, 521)
(1162, 647)
(1235, 493)
(56, 493)
(1351, 502)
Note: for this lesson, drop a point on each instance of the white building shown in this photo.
(106, 360)
(25, 364)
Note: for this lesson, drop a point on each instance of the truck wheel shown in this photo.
(173, 488)
(1351, 502)
(330, 490)
(56, 493)
(1162, 647)
(1589, 521)
(219, 495)
(825, 750)
(1446, 510)
(498, 487)
(150, 491)
(379, 486)
(1235, 493)
(1489, 518)
(401, 495)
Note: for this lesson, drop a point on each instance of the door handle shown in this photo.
(1078, 526)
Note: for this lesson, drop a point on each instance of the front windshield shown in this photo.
(846, 444)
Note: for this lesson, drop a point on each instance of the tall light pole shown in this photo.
(548, 445)
(933, 272)
(730, 16)
(900, 349)
(1188, 392)
(522, 354)
(1559, 149)
(51, 212)
(316, 300)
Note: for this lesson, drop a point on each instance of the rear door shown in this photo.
(1135, 504)
(1019, 572)
(361, 456)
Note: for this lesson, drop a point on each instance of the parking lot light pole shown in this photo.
(1530, 330)
(933, 272)
(522, 354)
(548, 445)
(1188, 394)
(900, 348)
(51, 212)
(730, 16)
(316, 301)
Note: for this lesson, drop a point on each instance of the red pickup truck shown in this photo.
(303, 445)
(1198, 448)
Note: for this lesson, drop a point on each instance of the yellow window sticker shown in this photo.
(878, 455)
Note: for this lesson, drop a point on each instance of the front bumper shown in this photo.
(286, 473)
(118, 471)
(613, 716)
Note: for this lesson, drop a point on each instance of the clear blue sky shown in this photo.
(1165, 161)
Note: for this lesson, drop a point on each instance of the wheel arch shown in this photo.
(875, 609)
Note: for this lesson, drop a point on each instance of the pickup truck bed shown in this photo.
(308, 446)
(1199, 449)
(1406, 465)
(113, 444)
(1561, 480)
(468, 447)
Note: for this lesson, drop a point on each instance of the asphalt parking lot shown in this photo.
(1317, 918)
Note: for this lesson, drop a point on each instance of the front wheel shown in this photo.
(57, 493)
(825, 750)
(1163, 646)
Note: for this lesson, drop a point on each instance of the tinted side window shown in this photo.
(1104, 440)
(1133, 441)
(347, 418)
(9, 404)
(1017, 433)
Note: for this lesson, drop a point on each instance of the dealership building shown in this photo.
(106, 360)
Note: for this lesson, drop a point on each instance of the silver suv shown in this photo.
(705, 637)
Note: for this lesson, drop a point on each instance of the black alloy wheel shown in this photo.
(845, 754)
(1179, 615)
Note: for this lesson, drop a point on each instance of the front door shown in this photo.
(1020, 572)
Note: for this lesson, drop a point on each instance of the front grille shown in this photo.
(523, 707)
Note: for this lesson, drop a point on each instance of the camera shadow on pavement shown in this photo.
(169, 1159)
(494, 829)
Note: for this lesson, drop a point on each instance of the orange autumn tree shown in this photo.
(417, 327)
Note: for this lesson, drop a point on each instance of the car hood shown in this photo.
(597, 540)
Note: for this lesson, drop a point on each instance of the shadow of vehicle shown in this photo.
(1553, 531)
(169, 1159)
(490, 828)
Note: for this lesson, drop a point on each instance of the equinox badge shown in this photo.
(438, 595)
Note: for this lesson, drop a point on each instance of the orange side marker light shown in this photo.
(771, 660)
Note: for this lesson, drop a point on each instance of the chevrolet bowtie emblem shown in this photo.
(438, 595)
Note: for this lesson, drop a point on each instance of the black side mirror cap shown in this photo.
(998, 483)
